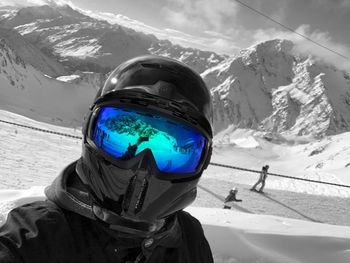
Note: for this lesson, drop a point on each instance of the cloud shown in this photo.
(332, 3)
(217, 34)
(224, 46)
(306, 47)
(177, 19)
(214, 41)
(210, 17)
(175, 32)
(220, 46)
(200, 14)
(338, 8)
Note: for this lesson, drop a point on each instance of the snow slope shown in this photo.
(240, 237)
(25, 90)
(326, 160)
(31, 54)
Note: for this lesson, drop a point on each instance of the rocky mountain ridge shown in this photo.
(83, 43)
(269, 88)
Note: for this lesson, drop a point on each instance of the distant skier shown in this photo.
(262, 179)
(231, 198)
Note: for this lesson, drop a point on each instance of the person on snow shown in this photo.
(262, 179)
(231, 198)
(104, 208)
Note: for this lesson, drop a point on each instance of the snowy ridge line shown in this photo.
(214, 164)
(42, 130)
(279, 175)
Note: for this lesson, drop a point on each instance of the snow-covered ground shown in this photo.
(29, 158)
(323, 160)
(237, 237)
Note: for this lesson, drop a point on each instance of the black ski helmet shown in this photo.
(133, 196)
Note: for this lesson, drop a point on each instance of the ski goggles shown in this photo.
(124, 132)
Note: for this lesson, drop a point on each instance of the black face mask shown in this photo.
(133, 200)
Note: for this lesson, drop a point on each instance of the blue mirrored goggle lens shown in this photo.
(123, 133)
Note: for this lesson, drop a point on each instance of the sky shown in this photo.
(226, 26)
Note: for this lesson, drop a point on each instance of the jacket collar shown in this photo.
(68, 192)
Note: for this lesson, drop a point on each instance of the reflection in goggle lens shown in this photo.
(124, 132)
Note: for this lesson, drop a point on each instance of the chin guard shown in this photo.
(123, 224)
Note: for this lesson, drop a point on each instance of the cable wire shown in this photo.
(279, 175)
(292, 30)
(42, 130)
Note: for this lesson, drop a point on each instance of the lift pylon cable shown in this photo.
(42, 130)
(279, 175)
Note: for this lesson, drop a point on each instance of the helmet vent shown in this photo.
(159, 66)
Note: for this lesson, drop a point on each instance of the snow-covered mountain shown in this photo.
(31, 54)
(25, 90)
(195, 58)
(83, 43)
(269, 88)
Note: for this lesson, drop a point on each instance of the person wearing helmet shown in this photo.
(232, 197)
(147, 139)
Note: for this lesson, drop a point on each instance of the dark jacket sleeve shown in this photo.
(33, 233)
(230, 197)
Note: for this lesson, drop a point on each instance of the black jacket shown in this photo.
(63, 229)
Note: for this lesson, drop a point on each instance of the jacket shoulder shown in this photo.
(30, 227)
(194, 240)
(31, 216)
(187, 220)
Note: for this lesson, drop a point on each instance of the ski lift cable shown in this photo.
(42, 130)
(211, 163)
(279, 175)
(292, 30)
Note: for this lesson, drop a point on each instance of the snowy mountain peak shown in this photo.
(269, 88)
(83, 43)
(271, 46)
